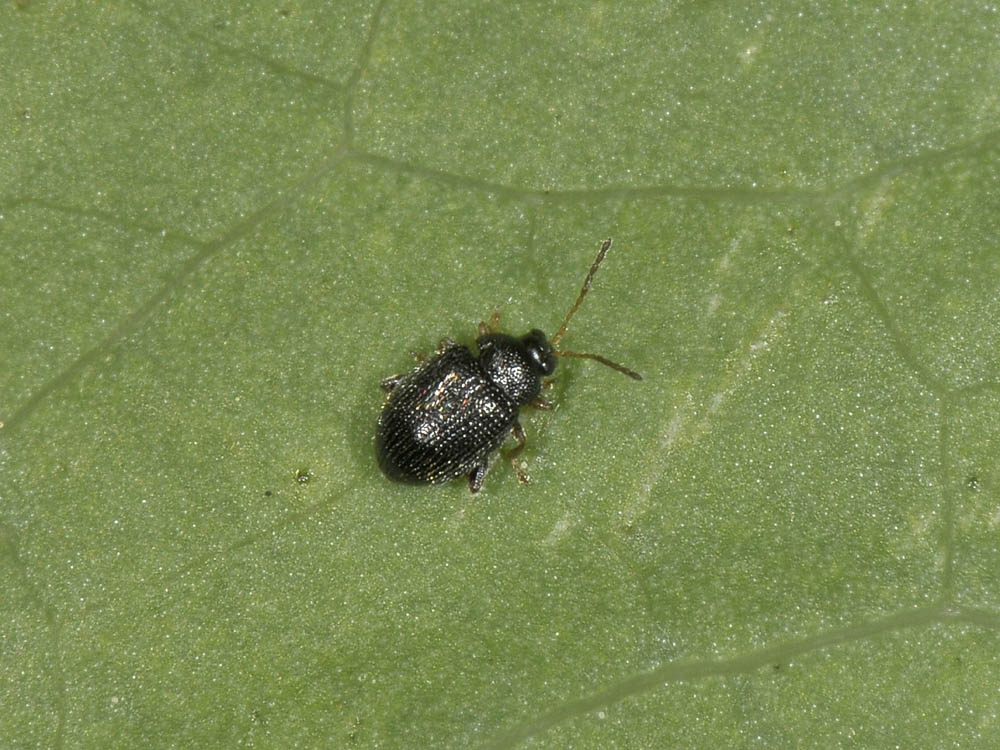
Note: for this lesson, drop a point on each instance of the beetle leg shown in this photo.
(492, 325)
(391, 382)
(516, 451)
(476, 477)
(444, 345)
(540, 403)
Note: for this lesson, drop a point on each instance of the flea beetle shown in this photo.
(447, 417)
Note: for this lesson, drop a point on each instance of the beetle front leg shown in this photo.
(492, 325)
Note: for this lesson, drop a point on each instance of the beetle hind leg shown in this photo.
(391, 382)
(444, 345)
(515, 453)
(476, 477)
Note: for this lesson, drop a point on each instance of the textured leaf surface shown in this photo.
(222, 225)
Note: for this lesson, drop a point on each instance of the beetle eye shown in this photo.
(542, 357)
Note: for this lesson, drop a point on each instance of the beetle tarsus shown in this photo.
(515, 452)
(476, 477)
(391, 382)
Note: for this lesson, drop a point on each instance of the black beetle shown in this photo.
(445, 418)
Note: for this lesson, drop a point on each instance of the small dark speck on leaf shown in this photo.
(972, 482)
(302, 476)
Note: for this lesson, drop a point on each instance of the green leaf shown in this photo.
(222, 226)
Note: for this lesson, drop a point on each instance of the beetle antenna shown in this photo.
(583, 292)
(603, 360)
(605, 246)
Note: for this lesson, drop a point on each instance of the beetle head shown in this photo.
(543, 358)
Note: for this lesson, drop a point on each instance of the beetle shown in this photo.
(448, 416)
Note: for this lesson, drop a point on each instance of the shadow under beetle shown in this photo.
(445, 418)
